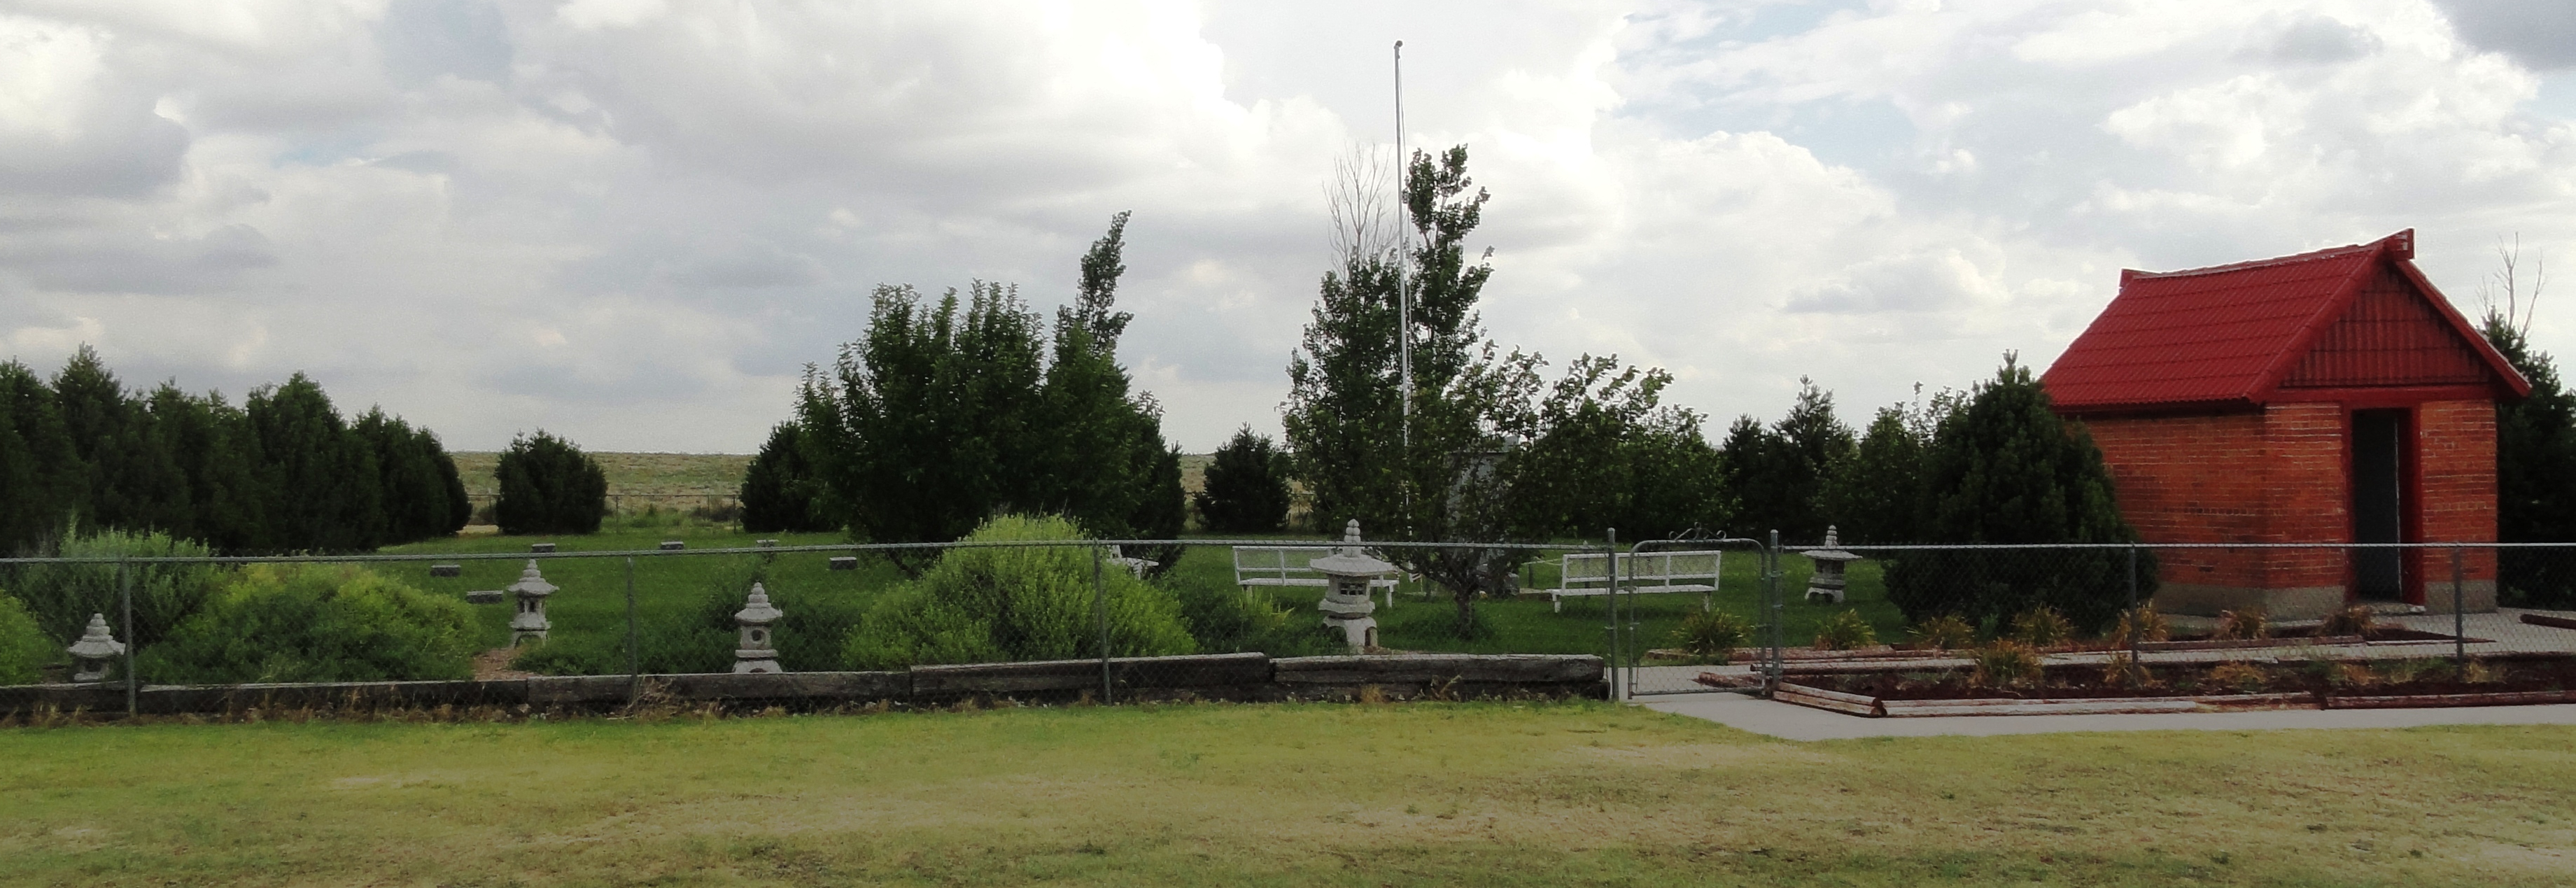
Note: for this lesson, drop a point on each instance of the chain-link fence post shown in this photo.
(125, 595)
(2137, 619)
(1776, 663)
(634, 678)
(2459, 614)
(1100, 612)
(1610, 609)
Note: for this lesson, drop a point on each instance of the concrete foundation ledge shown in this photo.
(1245, 676)
(1418, 668)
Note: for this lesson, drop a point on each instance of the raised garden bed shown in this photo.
(2295, 637)
(2173, 687)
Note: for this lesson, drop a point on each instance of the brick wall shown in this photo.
(2455, 458)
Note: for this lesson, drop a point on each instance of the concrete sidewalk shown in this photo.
(1802, 723)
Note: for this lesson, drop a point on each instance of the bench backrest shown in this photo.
(1278, 562)
(1594, 568)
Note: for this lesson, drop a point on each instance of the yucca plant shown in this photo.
(1946, 632)
(2004, 663)
(2243, 623)
(2142, 623)
(1711, 636)
(1845, 631)
(2244, 677)
(2042, 627)
(2354, 620)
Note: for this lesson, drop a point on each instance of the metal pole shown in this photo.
(1404, 260)
(2459, 615)
(125, 593)
(1100, 609)
(1771, 595)
(1610, 609)
(2137, 621)
(634, 681)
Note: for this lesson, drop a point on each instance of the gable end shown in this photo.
(2388, 336)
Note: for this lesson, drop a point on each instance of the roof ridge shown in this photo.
(2310, 256)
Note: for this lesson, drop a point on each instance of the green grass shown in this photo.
(592, 599)
(1424, 794)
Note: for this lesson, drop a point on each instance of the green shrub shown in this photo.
(24, 649)
(316, 622)
(1845, 631)
(1712, 636)
(1943, 633)
(1229, 619)
(549, 486)
(63, 596)
(1000, 604)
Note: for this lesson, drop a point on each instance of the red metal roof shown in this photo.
(2237, 335)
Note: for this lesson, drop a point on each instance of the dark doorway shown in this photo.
(2378, 515)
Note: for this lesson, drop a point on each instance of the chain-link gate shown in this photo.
(1675, 618)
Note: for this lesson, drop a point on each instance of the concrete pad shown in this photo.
(1794, 722)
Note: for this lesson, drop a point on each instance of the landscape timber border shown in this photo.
(1247, 677)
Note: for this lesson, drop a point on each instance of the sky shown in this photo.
(635, 222)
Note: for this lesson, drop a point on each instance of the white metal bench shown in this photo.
(1292, 566)
(1646, 573)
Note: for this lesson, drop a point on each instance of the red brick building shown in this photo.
(2332, 396)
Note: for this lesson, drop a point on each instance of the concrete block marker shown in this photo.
(541, 547)
(673, 545)
(446, 570)
(845, 562)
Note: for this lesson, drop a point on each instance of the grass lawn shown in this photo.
(1425, 794)
(593, 596)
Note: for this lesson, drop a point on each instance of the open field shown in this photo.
(1423, 794)
(593, 596)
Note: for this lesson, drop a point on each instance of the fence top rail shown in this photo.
(1958, 547)
(400, 557)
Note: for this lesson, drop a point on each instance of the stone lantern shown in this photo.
(90, 655)
(1827, 582)
(1348, 574)
(530, 622)
(756, 652)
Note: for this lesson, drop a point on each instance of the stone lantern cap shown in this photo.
(1349, 560)
(757, 611)
(96, 643)
(531, 583)
(1833, 548)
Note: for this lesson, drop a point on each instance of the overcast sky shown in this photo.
(633, 221)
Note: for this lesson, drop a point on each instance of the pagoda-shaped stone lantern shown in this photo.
(92, 653)
(1827, 582)
(756, 652)
(530, 622)
(1348, 574)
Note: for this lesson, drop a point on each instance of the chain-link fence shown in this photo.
(2425, 620)
(1031, 620)
(1126, 620)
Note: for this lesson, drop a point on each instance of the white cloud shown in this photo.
(632, 221)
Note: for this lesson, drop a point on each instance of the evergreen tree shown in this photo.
(218, 454)
(412, 488)
(132, 482)
(2005, 469)
(1875, 492)
(778, 488)
(41, 477)
(1245, 487)
(549, 486)
(2535, 474)
(1780, 472)
(324, 490)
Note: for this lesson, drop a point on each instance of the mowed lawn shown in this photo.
(1426, 794)
(592, 599)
